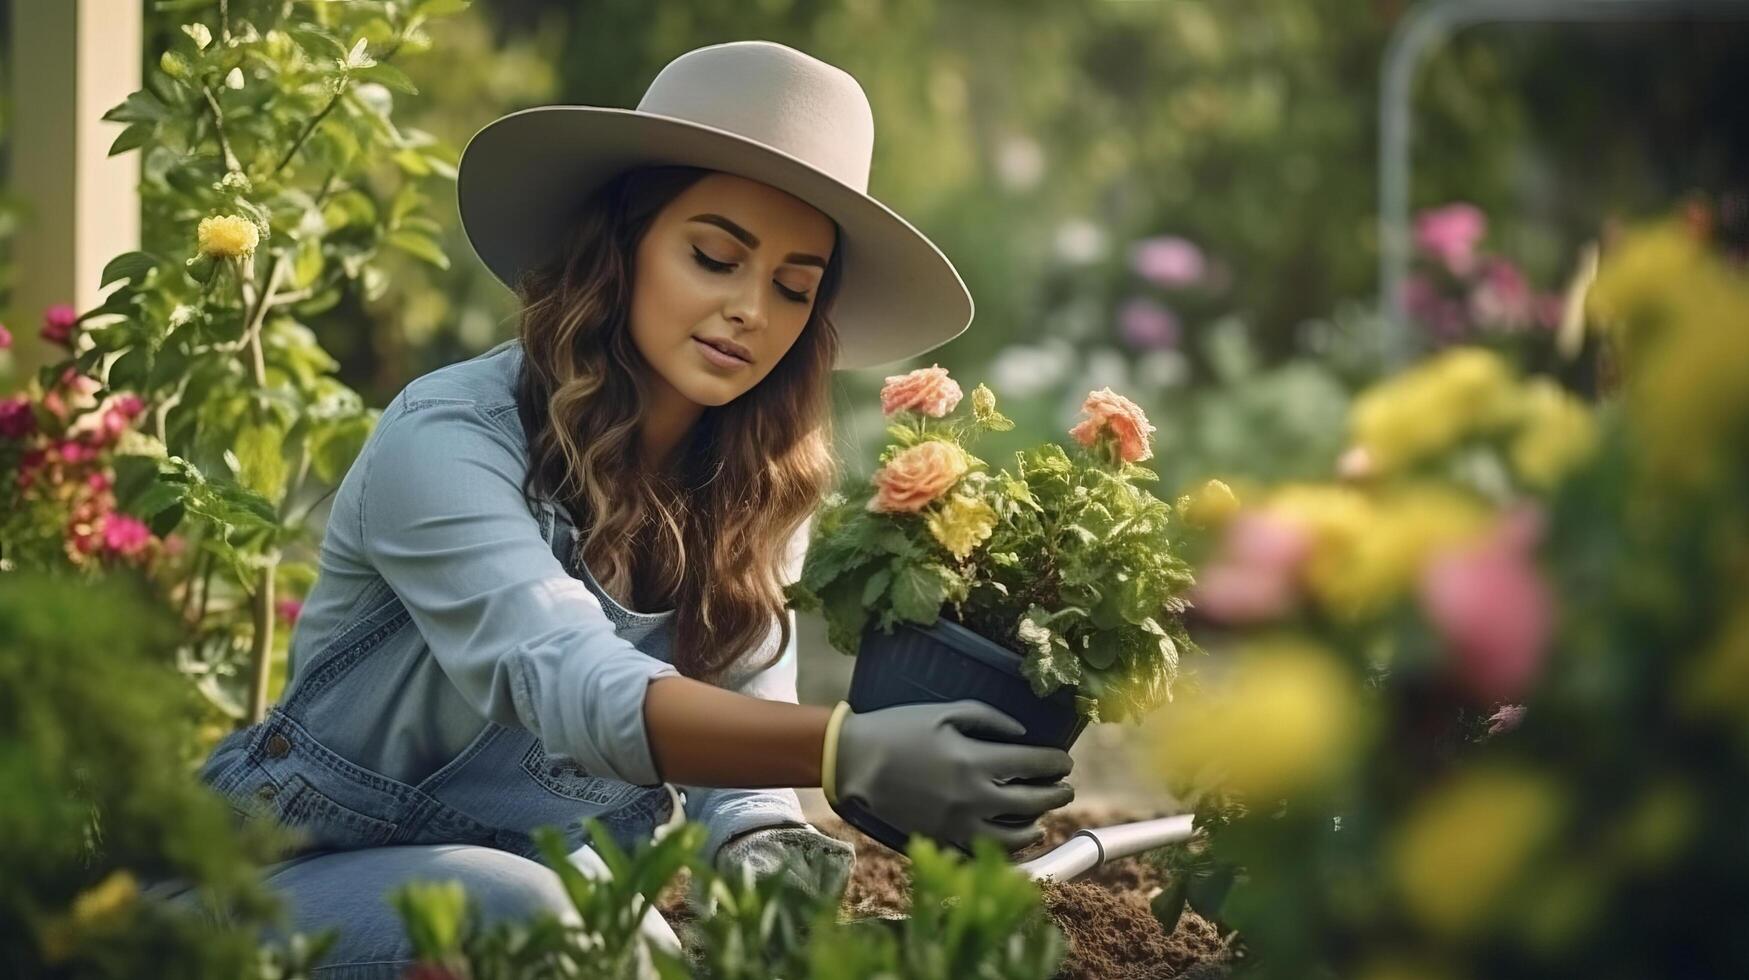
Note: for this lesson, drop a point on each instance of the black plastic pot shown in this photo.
(947, 662)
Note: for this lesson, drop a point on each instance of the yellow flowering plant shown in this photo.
(1066, 559)
(1478, 705)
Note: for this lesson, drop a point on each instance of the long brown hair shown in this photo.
(710, 538)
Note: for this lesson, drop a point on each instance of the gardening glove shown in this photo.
(812, 862)
(920, 768)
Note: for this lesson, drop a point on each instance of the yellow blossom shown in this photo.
(105, 898)
(1466, 842)
(1558, 432)
(227, 236)
(1367, 550)
(1431, 407)
(1287, 719)
(1210, 505)
(961, 524)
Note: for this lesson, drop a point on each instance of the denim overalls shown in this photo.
(457, 675)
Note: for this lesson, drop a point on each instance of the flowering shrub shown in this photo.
(1459, 292)
(194, 398)
(1480, 707)
(1066, 559)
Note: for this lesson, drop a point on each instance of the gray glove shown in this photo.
(918, 768)
(816, 863)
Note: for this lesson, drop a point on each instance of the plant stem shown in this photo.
(231, 162)
(309, 128)
(261, 597)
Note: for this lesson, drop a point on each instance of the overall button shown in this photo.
(278, 746)
(267, 791)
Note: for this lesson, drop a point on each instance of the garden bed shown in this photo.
(1104, 915)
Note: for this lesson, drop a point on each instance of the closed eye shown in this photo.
(714, 266)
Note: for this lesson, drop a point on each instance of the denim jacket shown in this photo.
(457, 675)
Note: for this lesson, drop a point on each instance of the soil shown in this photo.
(1104, 915)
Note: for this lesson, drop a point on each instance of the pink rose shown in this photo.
(16, 419)
(917, 476)
(1450, 235)
(1110, 412)
(124, 534)
(58, 323)
(1168, 260)
(1255, 577)
(1494, 611)
(927, 391)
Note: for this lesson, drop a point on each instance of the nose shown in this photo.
(746, 305)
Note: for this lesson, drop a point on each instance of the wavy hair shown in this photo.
(711, 537)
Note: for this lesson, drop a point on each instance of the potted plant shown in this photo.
(1052, 591)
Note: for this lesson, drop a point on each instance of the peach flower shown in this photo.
(914, 478)
(1109, 411)
(928, 391)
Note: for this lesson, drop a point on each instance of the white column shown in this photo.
(72, 60)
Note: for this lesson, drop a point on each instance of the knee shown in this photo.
(502, 886)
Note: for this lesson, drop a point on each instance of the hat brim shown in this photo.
(522, 176)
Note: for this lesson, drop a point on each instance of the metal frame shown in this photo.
(1421, 30)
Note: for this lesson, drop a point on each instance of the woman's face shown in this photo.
(730, 260)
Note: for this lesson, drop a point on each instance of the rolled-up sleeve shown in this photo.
(727, 812)
(444, 521)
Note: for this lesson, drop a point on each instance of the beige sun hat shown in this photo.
(756, 109)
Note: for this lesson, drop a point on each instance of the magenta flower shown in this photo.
(1440, 314)
(1169, 261)
(1255, 577)
(5, 337)
(16, 419)
(1491, 606)
(1147, 325)
(289, 610)
(1449, 235)
(58, 323)
(1502, 296)
(124, 534)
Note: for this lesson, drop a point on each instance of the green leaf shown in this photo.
(307, 263)
(919, 591)
(876, 586)
(135, 136)
(131, 369)
(128, 265)
(387, 74)
(335, 446)
(419, 247)
(140, 106)
(261, 459)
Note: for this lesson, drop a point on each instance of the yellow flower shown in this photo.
(1368, 550)
(1466, 842)
(1210, 505)
(1431, 407)
(105, 898)
(961, 524)
(1287, 719)
(1558, 433)
(227, 236)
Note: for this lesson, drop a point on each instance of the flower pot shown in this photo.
(947, 662)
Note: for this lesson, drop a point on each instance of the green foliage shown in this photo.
(95, 729)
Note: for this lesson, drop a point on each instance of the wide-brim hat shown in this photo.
(756, 109)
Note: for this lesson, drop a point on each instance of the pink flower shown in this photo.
(1494, 611)
(1147, 325)
(5, 337)
(289, 609)
(1440, 314)
(99, 481)
(71, 451)
(1506, 719)
(1110, 412)
(1502, 296)
(928, 391)
(124, 534)
(73, 391)
(58, 323)
(916, 477)
(1450, 234)
(1168, 260)
(1255, 578)
(16, 419)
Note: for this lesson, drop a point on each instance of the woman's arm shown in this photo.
(706, 736)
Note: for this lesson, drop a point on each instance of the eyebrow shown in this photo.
(751, 240)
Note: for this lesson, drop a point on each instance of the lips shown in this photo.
(727, 347)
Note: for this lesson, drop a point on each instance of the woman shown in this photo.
(551, 584)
